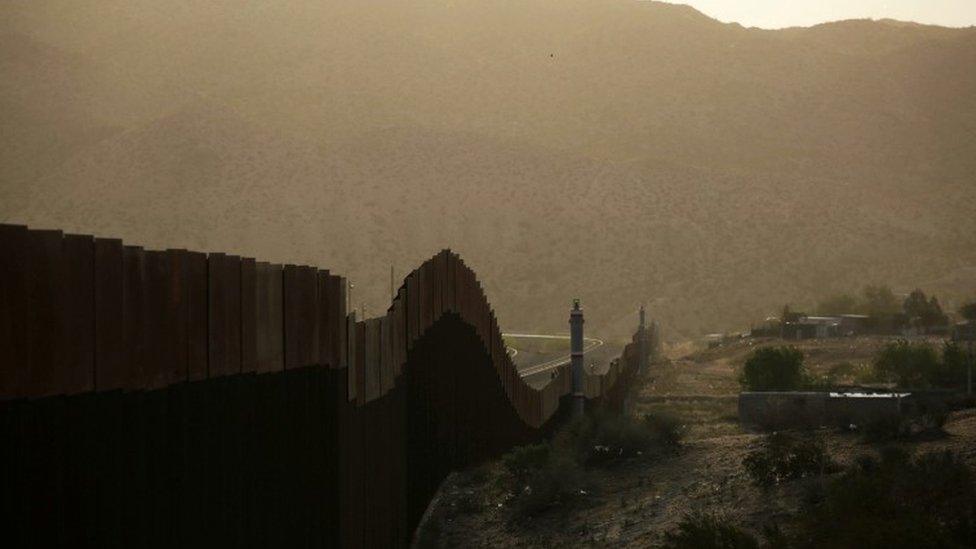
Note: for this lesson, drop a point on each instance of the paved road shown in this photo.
(589, 344)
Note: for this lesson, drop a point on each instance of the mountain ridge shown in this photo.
(621, 152)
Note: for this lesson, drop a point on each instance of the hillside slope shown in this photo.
(614, 150)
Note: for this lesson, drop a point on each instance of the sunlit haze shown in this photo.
(778, 14)
(480, 273)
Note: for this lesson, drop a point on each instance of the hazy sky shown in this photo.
(787, 13)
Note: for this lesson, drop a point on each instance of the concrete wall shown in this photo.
(789, 410)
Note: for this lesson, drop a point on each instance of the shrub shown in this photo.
(522, 461)
(774, 369)
(784, 456)
(559, 482)
(968, 310)
(926, 311)
(907, 364)
(548, 475)
(702, 531)
(951, 371)
(897, 501)
(604, 437)
(664, 428)
(917, 365)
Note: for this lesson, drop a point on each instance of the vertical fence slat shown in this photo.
(177, 325)
(335, 305)
(413, 309)
(225, 314)
(197, 316)
(79, 312)
(292, 317)
(248, 304)
(352, 366)
(362, 376)
(310, 317)
(14, 326)
(270, 329)
(134, 322)
(157, 351)
(343, 323)
(110, 355)
(323, 318)
(426, 285)
(437, 301)
(216, 309)
(232, 328)
(47, 333)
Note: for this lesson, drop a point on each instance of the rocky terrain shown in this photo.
(639, 499)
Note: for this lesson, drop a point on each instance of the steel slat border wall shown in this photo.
(182, 335)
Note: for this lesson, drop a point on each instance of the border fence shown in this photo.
(175, 398)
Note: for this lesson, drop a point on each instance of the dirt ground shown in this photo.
(638, 500)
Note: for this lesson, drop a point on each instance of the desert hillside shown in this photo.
(615, 150)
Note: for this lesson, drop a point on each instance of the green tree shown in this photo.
(968, 311)
(952, 369)
(774, 369)
(907, 364)
(927, 311)
(880, 300)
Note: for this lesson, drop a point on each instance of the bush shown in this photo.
(897, 501)
(664, 428)
(918, 366)
(522, 461)
(784, 456)
(952, 371)
(907, 364)
(549, 475)
(774, 369)
(559, 482)
(926, 311)
(968, 310)
(603, 437)
(701, 531)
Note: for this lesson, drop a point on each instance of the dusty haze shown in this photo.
(618, 151)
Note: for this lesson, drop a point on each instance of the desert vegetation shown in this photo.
(723, 486)
(555, 473)
(918, 365)
(895, 500)
(774, 369)
(786, 456)
(900, 363)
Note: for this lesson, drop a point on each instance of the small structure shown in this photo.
(854, 324)
(769, 328)
(714, 340)
(964, 331)
(812, 327)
